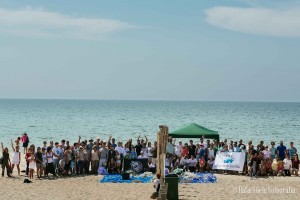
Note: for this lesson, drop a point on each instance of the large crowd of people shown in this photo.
(87, 156)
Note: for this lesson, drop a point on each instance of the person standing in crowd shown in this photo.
(5, 161)
(25, 141)
(295, 165)
(236, 148)
(273, 151)
(281, 150)
(57, 151)
(154, 154)
(138, 147)
(192, 149)
(39, 162)
(103, 155)
(16, 158)
(292, 150)
(50, 166)
(287, 165)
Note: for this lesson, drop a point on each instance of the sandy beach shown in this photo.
(89, 187)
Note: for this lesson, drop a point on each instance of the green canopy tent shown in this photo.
(195, 131)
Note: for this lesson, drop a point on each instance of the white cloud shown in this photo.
(261, 21)
(40, 23)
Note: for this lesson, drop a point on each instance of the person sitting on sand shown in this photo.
(192, 164)
(142, 155)
(210, 164)
(184, 163)
(268, 167)
(262, 168)
(112, 166)
(16, 158)
(202, 164)
(280, 168)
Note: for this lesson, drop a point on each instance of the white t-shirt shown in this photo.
(120, 150)
(57, 151)
(184, 161)
(204, 145)
(211, 153)
(149, 151)
(287, 163)
(192, 162)
(140, 156)
(267, 154)
(178, 150)
(156, 183)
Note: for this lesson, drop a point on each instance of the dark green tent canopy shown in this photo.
(195, 131)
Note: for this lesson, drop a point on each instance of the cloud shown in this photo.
(40, 23)
(260, 21)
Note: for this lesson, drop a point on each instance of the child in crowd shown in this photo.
(287, 165)
(210, 164)
(202, 164)
(16, 158)
(156, 186)
(32, 164)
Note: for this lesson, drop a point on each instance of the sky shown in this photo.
(221, 50)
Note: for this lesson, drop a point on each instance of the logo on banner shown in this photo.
(228, 159)
(136, 166)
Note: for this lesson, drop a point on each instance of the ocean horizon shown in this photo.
(56, 119)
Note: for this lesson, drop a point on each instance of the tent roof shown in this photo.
(194, 131)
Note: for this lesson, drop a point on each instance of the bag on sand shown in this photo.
(27, 180)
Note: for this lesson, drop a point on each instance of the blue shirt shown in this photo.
(292, 151)
(281, 151)
(133, 155)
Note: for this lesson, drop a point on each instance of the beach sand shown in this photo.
(89, 187)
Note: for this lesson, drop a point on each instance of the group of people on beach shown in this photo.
(87, 157)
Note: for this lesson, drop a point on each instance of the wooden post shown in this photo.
(162, 136)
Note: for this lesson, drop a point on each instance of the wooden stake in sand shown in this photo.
(162, 137)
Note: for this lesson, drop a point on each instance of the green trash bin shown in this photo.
(172, 192)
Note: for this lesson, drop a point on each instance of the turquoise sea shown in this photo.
(57, 119)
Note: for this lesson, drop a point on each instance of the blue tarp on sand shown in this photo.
(118, 179)
(199, 178)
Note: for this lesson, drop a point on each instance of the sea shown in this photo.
(67, 119)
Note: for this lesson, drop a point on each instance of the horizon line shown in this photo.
(164, 100)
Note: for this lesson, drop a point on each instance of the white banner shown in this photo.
(233, 161)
